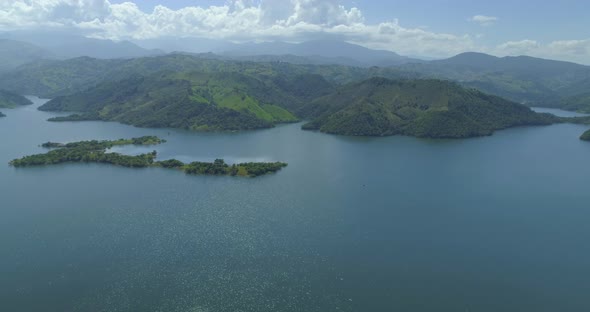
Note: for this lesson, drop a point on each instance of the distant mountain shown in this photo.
(314, 52)
(65, 45)
(421, 108)
(339, 52)
(15, 53)
(55, 78)
(12, 100)
(523, 79)
(103, 49)
(49, 78)
(523, 66)
(189, 45)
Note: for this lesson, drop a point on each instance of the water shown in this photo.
(558, 112)
(497, 223)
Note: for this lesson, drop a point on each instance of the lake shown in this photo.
(497, 223)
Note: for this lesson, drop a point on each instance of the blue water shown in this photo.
(497, 223)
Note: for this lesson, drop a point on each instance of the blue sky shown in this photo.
(517, 19)
(434, 28)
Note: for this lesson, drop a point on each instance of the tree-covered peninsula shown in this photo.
(420, 108)
(192, 100)
(97, 152)
(11, 100)
(585, 136)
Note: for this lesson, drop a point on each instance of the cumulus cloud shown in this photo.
(483, 20)
(518, 47)
(237, 20)
(569, 50)
(264, 20)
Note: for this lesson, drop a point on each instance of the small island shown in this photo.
(585, 136)
(2, 115)
(97, 152)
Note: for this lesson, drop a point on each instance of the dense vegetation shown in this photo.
(11, 100)
(50, 79)
(96, 152)
(533, 81)
(234, 101)
(195, 100)
(207, 92)
(585, 136)
(422, 108)
(579, 103)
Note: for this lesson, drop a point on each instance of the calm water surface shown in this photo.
(353, 224)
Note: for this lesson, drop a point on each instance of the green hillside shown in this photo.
(12, 100)
(49, 79)
(579, 103)
(193, 100)
(422, 108)
(532, 81)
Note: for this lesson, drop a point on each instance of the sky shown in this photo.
(433, 28)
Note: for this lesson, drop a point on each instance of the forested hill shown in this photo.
(422, 108)
(579, 103)
(50, 79)
(194, 100)
(11, 100)
(533, 81)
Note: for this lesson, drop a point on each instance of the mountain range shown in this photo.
(185, 91)
(315, 51)
(334, 84)
(62, 45)
(524, 79)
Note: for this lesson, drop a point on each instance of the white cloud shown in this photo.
(238, 20)
(569, 50)
(483, 20)
(259, 20)
(518, 47)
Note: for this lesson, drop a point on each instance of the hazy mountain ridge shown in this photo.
(63, 45)
(16, 53)
(323, 52)
(523, 79)
(327, 50)
(528, 80)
